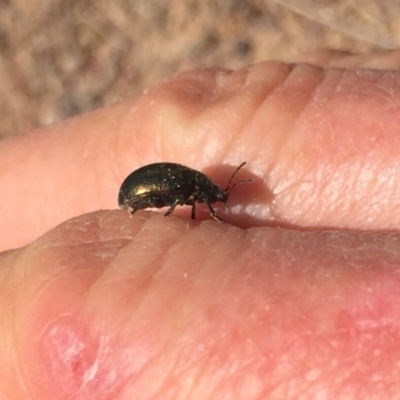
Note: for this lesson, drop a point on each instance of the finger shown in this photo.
(384, 59)
(326, 58)
(107, 306)
(321, 145)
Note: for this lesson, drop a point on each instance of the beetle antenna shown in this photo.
(233, 175)
(229, 187)
(239, 183)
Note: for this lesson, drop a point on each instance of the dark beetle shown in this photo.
(168, 184)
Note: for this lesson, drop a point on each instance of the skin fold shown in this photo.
(294, 297)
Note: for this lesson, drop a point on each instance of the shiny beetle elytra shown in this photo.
(168, 185)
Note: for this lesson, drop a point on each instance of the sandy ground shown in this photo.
(60, 58)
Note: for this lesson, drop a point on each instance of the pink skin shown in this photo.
(105, 306)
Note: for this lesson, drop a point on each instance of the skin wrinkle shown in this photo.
(391, 94)
(21, 376)
(170, 342)
(232, 141)
(111, 381)
(150, 276)
(361, 181)
(218, 385)
(17, 360)
(293, 177)
(197, 373)
(176, 373)
(104, 232)
(145, 283)
(208, 144)
(164, 387)
(120, 169)
(278, 145)
(22, 369)
(377, 90)
(325, 173)
(297, 379)
(332, 79)
(284, 141)
(141, 372)
(320, 106)
(155, 360)
(211, 387)
(278, 82)
(194, 384)
(203, 102)
(200, 372)
(197, 369)
(337, 189)
(386, 180)
(114, 165)
(239, 369)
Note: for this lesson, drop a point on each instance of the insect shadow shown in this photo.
(254, 190)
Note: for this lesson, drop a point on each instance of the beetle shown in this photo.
(167, 184)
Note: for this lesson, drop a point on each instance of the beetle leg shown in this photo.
(172, 208)
(214, 214)
(130, 210)
(193, 215)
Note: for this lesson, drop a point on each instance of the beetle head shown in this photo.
(229, 188)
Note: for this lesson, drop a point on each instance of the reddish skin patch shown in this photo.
(67, 355)
(74, 363)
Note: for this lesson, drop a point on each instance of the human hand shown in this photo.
(105, 306)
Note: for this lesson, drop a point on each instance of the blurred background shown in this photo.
(59, 58)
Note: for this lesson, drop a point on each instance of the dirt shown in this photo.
(61, 58)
